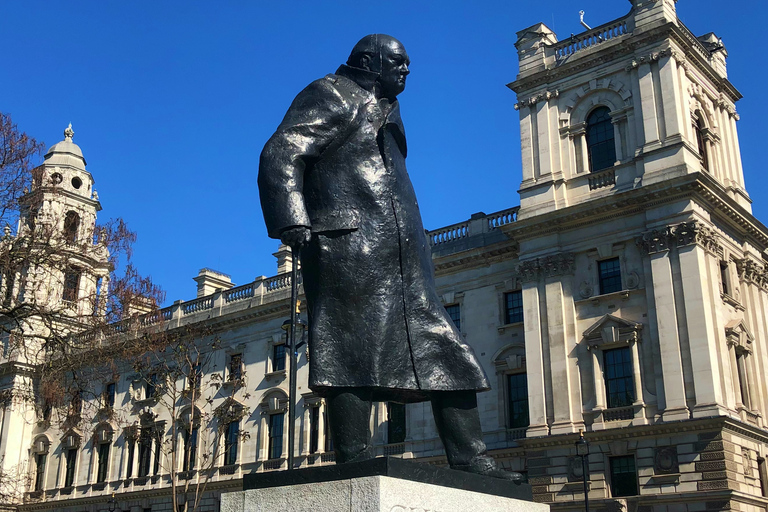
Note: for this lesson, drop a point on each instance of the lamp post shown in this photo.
(294, 328)
(112, 503)
(582, 450)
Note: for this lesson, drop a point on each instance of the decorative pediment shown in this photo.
(737, 335)
(71, 438)
(41, 445)
(612, 330)
(510, 358)
(231, 410)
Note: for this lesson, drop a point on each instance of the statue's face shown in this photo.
(394, 68)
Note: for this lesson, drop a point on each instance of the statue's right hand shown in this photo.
(296, 237)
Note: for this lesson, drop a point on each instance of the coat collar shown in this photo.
(361, 77)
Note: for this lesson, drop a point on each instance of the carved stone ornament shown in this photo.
(746, 461)
(558, 264)
(665, 460)
(684, 234)
(586, 290)
(611, 330)
(633, 280)
(737, 335)
(528, 270)
(656, 240)
(752, 272)
(575, 468)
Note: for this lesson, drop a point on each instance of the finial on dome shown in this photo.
(69, 133)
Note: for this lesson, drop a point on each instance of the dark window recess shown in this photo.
(235, 366)
(71, 461)
(275, 447)
(71, 284)
(230, 443)
(40, 460)
(518, 400)
(109, 395)
(328, 437)
(698, 127)
(150, 386)
(278, 357)
(71, 226)
(195, 377)
(623, 476)
(619, 383)
(103, 461)
(157, 452)
(513, 302)
(724, 277)
(610, 275)
(190, 449)
(314, 429)
(600, 141)
(395, 422)
(454, 311)
(145, 452)
(761, 472)
(131, 451)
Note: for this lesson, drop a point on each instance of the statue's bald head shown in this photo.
(385, 56)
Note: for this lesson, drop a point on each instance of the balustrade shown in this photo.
(591, 38)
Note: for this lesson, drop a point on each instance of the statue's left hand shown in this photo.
(296, 237)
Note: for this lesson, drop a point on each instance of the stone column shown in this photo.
(534, 350)
(692, 238)
(656, 244)
(565, 396)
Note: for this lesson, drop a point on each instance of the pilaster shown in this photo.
(534, 350)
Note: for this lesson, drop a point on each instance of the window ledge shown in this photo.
(67, 490)
(504, 327)
(229, 469)
(99, 486)
(234, 383)
(671, 478)
(731, 301)
(597, 299)
(276, 373)
(146, 401)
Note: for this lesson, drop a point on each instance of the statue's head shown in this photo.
(385, 56)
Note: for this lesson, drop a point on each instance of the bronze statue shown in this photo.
(333, 182)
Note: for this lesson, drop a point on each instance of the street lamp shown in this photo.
(112, 503)
(582, 450)
(299, 328)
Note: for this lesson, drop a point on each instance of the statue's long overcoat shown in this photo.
(337, 165)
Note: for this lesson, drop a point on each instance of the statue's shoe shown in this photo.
(486, 466)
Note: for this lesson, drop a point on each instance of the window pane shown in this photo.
(109, 395)
(513, 307)
(101, 472)
(454, 311)
(518, 400)
(230, 443)
(69, 477)
(235, 366)
(278, 359)
(600, 140)
(314, 429)
(275, 436)
(145, 452)
(40, 471)
(395, 422)
(623, 476)
(619, 384)
(190, 449)
(610, 275)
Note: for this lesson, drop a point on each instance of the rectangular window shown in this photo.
(724, 278)
(741, 369)
(314, 429)
(190, 449)
(103, 460)
(235, 366)
(230, 443)
(278, 357)
(275, 447)
(619, 383)
(454, 311)
(131, 451)
(328, 437)
(150, 386)
(145, 452)
(395, 422)
(518, 400)
(69, 475)
(109, 395)
(71, 284)
(513, 302)
(158, 439)
(40, 460)
(610, 275)
(623, 476)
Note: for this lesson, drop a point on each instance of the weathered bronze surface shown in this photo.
(333, 182)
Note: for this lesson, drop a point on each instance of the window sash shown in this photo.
(610, 275)
(454, 312)
(278, 357)
(40, 460)
(517, 386)
(275, 447)
(396, 422)
(103, 458)
(601, 146)
(623, 476)
(513, 302)
(69, 477)
(190, 449)
(230, 443)
(314, 429)
(619, 379)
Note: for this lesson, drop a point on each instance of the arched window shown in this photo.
(71, 226)
(698, 128)
(600, 140)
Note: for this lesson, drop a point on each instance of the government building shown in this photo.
(626, 297)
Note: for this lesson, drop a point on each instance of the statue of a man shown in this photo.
(333, 182)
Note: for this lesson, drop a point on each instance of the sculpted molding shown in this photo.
(548, 266)
(683, 235)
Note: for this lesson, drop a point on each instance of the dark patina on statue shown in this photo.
(333, 183)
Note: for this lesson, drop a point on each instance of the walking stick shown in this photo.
(294, 359)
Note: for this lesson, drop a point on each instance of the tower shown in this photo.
(642, 266)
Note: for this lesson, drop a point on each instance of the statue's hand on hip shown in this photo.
(296, 237)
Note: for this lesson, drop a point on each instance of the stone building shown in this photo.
(625, 297)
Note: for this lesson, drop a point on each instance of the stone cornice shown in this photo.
(479, 257)
(697, 185)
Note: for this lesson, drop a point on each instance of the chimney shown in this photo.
(209, 281)
(284, 262)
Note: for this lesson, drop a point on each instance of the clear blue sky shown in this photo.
(172, 102)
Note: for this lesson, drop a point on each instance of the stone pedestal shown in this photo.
(379, 485)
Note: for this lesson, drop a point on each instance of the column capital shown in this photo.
(549, 266)
(656, 240)
(682, 235)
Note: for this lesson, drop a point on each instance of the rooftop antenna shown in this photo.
(583, 23)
